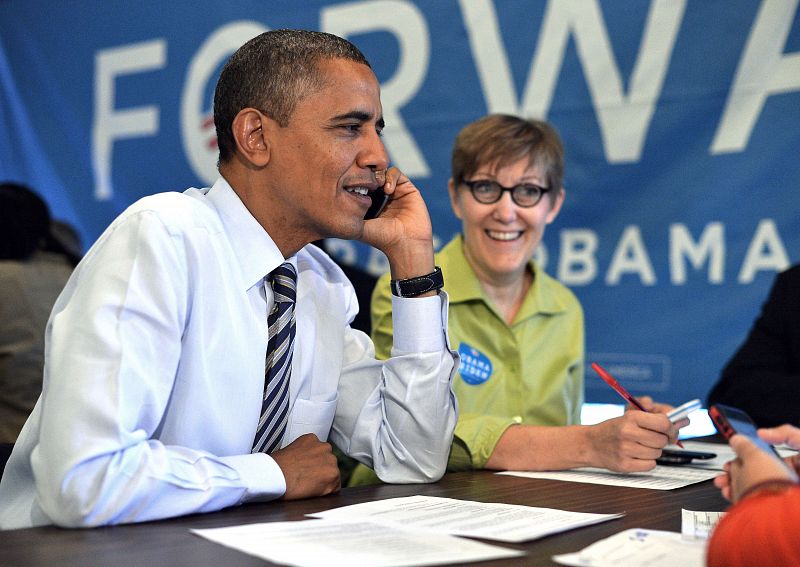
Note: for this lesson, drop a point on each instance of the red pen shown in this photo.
(611, 381)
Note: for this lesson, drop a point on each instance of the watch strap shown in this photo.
(412, 287)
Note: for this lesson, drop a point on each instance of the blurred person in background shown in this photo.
(763, 377)
(34, 267)
(761, 526)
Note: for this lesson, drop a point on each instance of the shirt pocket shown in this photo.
(311, 417)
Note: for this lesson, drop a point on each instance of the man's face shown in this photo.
(322, 162)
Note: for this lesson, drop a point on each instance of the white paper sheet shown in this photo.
(501, 522)
(698, 525)
(638, 548)
(723, 451)
(323, 543)
(660, 478)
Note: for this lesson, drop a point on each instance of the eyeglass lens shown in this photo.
(488, 192)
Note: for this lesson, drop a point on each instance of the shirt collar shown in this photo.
(256, 253)
(460, 282)
(463, 285)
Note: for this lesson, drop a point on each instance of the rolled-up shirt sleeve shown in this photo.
(398, 415)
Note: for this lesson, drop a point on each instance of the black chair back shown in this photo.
(5, 453)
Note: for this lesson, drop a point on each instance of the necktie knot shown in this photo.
(283, 280)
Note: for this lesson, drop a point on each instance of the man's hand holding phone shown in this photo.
(402, 230)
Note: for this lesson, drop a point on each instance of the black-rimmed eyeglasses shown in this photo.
(488, 192)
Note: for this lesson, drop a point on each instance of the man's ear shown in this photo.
(249, 130)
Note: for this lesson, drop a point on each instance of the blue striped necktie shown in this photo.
(278, 367)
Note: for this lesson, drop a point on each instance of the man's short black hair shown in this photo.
(272, 72)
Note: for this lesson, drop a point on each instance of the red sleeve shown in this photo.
(763, 529)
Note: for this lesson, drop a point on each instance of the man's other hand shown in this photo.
(309, 468)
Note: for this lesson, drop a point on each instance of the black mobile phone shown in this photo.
(729, 420)
(674, 457)
(379, 201)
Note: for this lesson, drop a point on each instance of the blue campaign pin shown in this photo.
(475, 367)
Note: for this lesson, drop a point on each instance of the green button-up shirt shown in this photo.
(529, 372)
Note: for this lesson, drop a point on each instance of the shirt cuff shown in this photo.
(260, 475)
(419, 323)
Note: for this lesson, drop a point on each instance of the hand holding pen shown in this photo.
(611, 381)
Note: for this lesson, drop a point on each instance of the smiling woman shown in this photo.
(501, 232)
(519, 331)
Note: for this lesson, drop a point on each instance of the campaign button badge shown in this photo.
(475, 367)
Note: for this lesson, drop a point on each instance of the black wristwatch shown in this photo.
(412, 287)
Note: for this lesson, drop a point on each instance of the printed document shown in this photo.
(639, 548)
(500, 522)
(660, 478)
(322, 543)
(698, 525)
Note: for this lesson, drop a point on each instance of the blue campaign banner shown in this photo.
(681, 123)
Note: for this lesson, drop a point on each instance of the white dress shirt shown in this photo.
(154, 373)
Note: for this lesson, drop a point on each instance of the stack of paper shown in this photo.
(416, 530)
(322, 543)
(500, 522)
(650, 548)
(660, 478)
(638, 548)
(698, 525)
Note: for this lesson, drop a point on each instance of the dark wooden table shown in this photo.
(169, 542)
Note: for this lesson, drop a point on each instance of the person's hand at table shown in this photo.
(652, 406)
(788, 435)
(309, 467)
(753, 468)
(633, 441)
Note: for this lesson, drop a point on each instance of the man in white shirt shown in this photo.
(155, 364)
